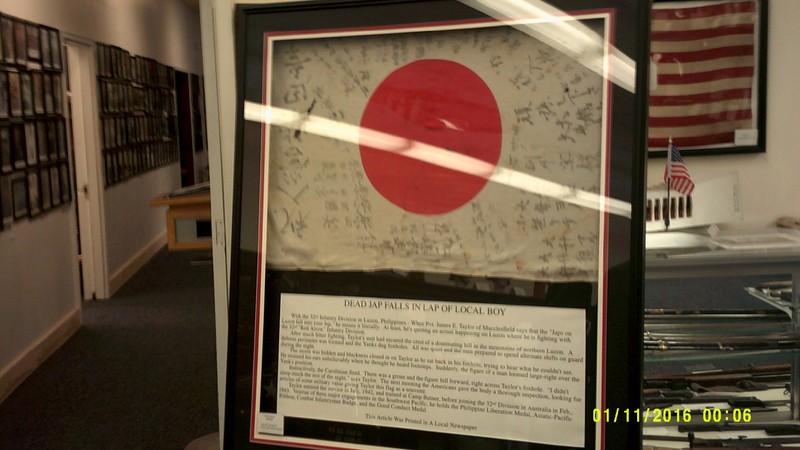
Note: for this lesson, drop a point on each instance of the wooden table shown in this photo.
(188, 220)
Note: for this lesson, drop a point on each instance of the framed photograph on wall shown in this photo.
(33, 43)
(4, 95)
(7, 32)
(55, 48)
(47, 80)
(47, 56)
(396, 253)
(66, 185)
(38, 93)
(61, 136)
(19, 193)
(708, 81)
(14, 94)
(41, 141)
(45, 190)
(21, 42)
(6, 163)
(57, 94)
(18, 148)
(6, 202)
(55, 184)
(52, 139)
(27, 93)
(34, 193)
(30, 143)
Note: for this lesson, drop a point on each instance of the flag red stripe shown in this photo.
(702, 119)
(711, 75)
(695, 141)
(705, 55)
(704, 33)
(678, 100)
(703, 11)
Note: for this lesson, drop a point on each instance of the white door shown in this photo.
(88, 198)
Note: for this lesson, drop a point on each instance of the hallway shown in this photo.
(139, 374)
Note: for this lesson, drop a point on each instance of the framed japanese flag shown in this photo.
(438, 226)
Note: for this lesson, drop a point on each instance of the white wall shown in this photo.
(130, 223)
(38, 267)
(38, 280)
(770, 185)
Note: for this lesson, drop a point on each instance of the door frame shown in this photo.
(88, 163)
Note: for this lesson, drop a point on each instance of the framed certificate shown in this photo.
(434, 227)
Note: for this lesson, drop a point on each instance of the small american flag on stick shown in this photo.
(676, 174)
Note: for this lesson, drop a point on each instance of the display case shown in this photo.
(721, 342)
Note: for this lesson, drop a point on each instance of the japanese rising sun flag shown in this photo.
(420, 142)
(704, 63)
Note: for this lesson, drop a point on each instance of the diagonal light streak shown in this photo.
(431, 154)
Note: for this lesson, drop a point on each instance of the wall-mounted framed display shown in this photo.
(433, 226)
(26, 84)
(6, 164)
(14, 94)
(32, 126)
(20, 42)
(18, 146)
(30, 144)
(19, 192)
(708, 81)
(135, 92)
(3, 95)
(34, 193)
(33, 43)
(6, 202)
(7, 32)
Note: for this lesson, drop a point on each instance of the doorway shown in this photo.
(87, 171)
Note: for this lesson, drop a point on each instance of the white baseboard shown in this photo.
(138, 261)
(31, 358)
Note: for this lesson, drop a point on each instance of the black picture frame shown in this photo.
(18, 147)
(26, 84)
(708, 104)
(47, 55)
(55, 184)
(6, 202)
(52, 139)
(4, 100)
(66, 185)
(34, 193)
(61, 137)
(41, 141)
(7, 32)
(55, 49)
(45, 190)
(19, 194)
(253, 355)
(30, 143)
(47, 81)
(20, 42)
(38, 93)
(6, 161)
(57, 94)
(14, 94)
(33, 43)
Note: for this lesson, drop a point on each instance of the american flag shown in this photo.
(676, 174)
(704, 64)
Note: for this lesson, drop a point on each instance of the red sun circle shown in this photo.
(440, 103)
